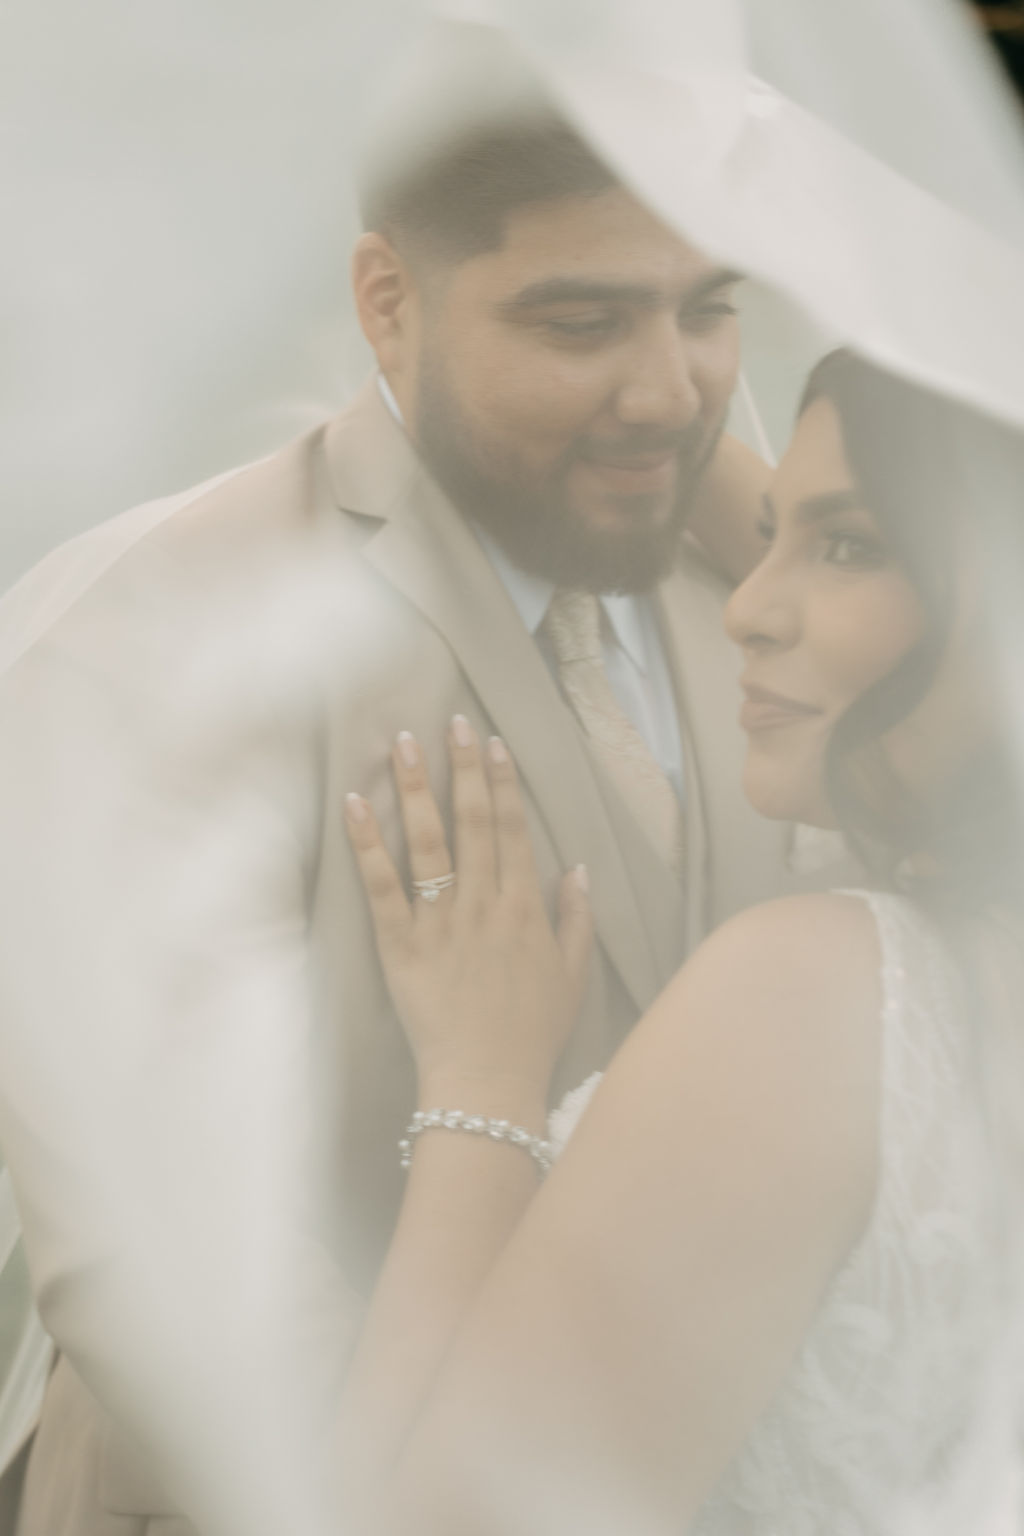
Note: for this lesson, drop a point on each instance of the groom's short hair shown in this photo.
(453, 205)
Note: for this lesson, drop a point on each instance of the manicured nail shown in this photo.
(357, 808)
(462, 731)
(582, 878)
(497, 750)
(408, 751)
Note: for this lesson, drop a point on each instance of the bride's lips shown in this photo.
(764, 710)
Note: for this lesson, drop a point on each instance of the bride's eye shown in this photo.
(854, 551)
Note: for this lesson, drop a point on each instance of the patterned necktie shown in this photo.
(573, 628)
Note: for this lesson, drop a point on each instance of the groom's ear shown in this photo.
(387, 303)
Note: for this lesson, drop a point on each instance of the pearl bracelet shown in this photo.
(454, 1120)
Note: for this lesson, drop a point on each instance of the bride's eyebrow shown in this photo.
(815, 509)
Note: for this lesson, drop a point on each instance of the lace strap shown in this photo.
(922, 1042)
(891, 914)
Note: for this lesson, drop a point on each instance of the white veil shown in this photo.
(179, 204)
(179, 192)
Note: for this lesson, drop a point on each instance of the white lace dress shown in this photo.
(897, 1419)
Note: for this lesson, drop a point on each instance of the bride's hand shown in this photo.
(484, 987)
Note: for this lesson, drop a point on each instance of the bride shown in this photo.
(766, 1288)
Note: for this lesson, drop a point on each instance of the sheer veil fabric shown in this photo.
(176, 299)
(792, 145)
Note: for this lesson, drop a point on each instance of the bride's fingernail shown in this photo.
(462, 731)
(582, 878)
(356, 808)
(408, 751)
(497, 750)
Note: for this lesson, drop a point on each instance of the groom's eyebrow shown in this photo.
(579, 290)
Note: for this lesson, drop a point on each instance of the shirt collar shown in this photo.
(388, 396)
(626, 613)
(532, 594)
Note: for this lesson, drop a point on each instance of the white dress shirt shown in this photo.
(634, 658)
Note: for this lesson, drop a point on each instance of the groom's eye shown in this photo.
(766, 521)
(590, 325)
(707, 318)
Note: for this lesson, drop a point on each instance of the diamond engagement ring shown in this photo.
(430, 890)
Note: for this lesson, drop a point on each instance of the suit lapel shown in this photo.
(684, 616)
(425, 550)
(661, 895)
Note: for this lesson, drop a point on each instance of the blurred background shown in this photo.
(177, 214)
(1005, 27)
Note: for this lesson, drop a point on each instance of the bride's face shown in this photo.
(826, 614)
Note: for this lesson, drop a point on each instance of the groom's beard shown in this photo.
(534, 520)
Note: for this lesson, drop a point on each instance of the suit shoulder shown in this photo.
(271, 499)
(224, 524)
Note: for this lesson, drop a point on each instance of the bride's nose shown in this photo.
(762, 612)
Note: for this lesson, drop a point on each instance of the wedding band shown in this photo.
(430, 890)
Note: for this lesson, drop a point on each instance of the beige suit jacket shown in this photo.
(245, 654)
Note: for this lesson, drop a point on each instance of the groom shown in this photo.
(493, 528)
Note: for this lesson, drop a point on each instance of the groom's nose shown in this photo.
(658, 385)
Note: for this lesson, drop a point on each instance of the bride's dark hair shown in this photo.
(940, 479)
